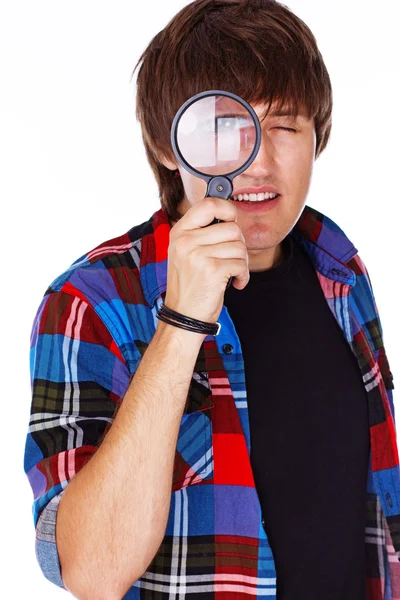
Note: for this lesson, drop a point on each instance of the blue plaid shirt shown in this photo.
(90, 331)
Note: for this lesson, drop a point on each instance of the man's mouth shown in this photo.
(262, 197)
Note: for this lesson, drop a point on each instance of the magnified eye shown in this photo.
(228, 122)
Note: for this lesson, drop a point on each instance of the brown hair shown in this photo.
(257, 49)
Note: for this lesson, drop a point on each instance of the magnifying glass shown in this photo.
(216, 135)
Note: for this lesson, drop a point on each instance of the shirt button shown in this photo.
(227, 348)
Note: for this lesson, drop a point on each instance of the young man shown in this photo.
(261, 461)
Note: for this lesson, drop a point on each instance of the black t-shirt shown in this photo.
(309, 430)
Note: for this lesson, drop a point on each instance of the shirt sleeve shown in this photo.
(78, 380)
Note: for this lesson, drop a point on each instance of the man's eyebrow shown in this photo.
(285, 112)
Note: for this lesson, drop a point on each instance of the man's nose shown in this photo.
(262, 163)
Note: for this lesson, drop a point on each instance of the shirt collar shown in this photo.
(325, 243)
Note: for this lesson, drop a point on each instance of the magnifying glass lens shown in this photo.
(216, 135)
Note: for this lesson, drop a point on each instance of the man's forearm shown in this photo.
(112, 517)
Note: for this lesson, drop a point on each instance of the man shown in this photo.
(261, 461)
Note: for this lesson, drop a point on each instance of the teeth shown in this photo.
(255, 197)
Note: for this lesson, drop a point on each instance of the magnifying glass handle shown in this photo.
(220, 186)
(230, 278)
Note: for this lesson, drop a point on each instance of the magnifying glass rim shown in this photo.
(174, 134)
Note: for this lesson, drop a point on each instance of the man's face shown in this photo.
(285, 160)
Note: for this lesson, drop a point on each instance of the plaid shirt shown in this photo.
(90, 331)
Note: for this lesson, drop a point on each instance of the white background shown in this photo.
(74, 174)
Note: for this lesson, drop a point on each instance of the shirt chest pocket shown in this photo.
(194, 461)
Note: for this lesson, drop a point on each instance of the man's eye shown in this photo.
(234, 122)
(286, 129)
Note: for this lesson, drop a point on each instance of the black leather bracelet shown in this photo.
(203, 325)
(182, 319)
(174, 318)
(180, 325)
(192, 324)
